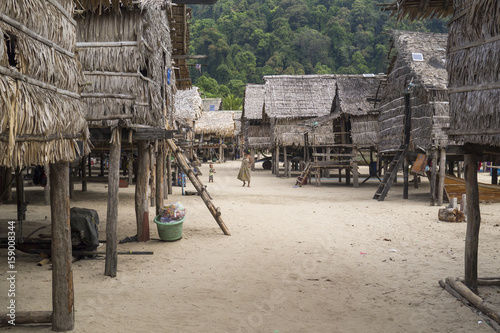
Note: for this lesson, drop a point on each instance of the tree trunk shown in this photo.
(473, 221)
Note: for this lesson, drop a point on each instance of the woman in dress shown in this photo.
(244, 174)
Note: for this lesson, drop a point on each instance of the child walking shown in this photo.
(211, 173)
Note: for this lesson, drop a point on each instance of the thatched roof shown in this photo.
(430, 72)
(218, 123)
(117, 5)
(253, 105)
(188, 104)
(41, 115)
(125, 57)
(211, 104)
(420, 9)
(299, 96)
(356, 93)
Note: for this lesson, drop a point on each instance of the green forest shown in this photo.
(247, 39)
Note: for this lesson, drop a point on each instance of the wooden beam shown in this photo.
(473, 221)
(106, 95)
(112, 208)
(62, 275)
(83, 45)
(141, 192)
(19, 76)
(34, 35)
(29, 317)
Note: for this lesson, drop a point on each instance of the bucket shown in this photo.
(169, 232)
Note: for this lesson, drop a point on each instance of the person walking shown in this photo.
(244, 173)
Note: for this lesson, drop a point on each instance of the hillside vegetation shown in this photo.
(247, 39)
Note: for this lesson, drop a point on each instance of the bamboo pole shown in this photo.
(29, 317)
(130, 172)
(406, 184)
(46, 190)
(152, 168)
(285, 163)
(433, 177)
(473, 221)
(355, 174)
(62, 275)
(198, 185)
(112, 209)
(141, 192)
(169, 173)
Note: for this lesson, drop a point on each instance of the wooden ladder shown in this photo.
(303, 176)
(392, 171)
(202, 191)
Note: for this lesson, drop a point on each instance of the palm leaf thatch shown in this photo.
(253, 105)
(237, 122)
(290, 99)
(256, 126)
(216, 123)
(472, 62)
(125, 59)
(425, 79)
(41, 115)
(188, 105)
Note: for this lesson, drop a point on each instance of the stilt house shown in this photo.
(414, 109)
(255, 123)
(213, 129)
(337, 138)
(289, 100)
(41, 119)
(125, 50)
(474, 89)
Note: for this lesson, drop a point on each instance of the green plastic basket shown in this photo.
(169, 232)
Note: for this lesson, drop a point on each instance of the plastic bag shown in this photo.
(172, 212)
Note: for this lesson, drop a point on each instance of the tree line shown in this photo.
(247, 39)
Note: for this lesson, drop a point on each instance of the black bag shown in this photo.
(84, 228)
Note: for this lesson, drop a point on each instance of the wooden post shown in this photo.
(160, 180)
(347, 176)
(112, 209)
(90, 165)
(327, 158)
(459, 169)
(285, 163)
(84, 176)
(102, 165)
(406, 184)
(20, 197)
(277, 164)
(46, 190)
(71, 183)
(473, 221)
(152, 168)
(169, 173)
(415, 180)
(355, 175)
(130, 161)
(340, 175)
(442, 175)
(62, 275)
(141, 192)
(252, 153)
(433, 177)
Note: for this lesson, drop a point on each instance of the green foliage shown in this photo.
(247, 39)
(232, 103)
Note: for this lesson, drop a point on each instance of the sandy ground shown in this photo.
(307, 259)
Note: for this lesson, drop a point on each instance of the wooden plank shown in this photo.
(442, 174)
(83, 45)
(62, 275)
(455, 188)
(112, 208)
(473, 222)
(28, 317)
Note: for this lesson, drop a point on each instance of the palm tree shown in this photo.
(232, 103)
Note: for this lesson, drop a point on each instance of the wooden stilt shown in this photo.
(29, 317)
(20, 197)
(415, 180)
(277, 163)
(90, 165)
(46, 190)
(102, 165)
(130, 167)
(152, 168)
(355, 174)
(442, 175)
(141, 192)
(62, 275)
(160, 180)
(169, 173)
(252, 153)
(71, 185)
(433, 177)
(112, 209)
(285, 163)
(84, 176)
(406, 184)
(473, 221)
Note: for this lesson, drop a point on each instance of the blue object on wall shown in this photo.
(168, 75)
(212, 107)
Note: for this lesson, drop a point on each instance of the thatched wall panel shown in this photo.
(37, 111)
(109, 27)
(41, 62)
(60, 30)
(259, 131)
(259, 142)
(364, 131)
(112, 59)
(254, 101)
(188, 104)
